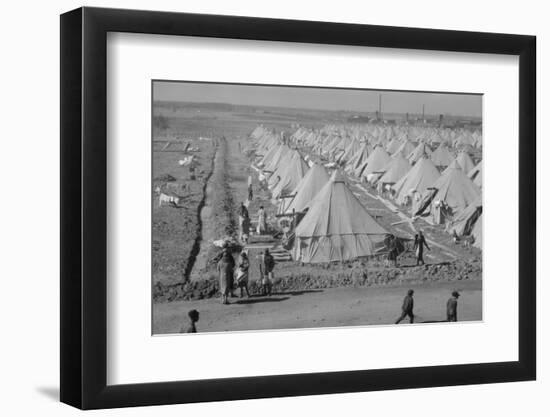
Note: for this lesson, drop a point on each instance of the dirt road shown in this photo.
(321, 308)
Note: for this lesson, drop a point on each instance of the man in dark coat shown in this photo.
(452, 305)
(407, 308)
(419, 243)
(243, 211)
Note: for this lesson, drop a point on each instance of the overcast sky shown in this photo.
(319, 98)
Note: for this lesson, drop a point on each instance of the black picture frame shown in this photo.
(84, 207)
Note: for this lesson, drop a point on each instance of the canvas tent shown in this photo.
(421, 150)
(465, 162)
(396, 169)
(376, 161)
(476, 175)
(406, 148)
(477, 233)
(464, 221)
(455, 188)
(442, 157)
(291, 171)
(336, 227)
(421, 176)
(314, 180)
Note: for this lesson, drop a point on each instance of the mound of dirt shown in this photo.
(330, 278)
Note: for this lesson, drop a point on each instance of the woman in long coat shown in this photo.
(225, 270)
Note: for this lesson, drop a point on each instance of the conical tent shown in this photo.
(442, 157)
(279, 156)
(336, 227)
(477, 233)
(269, 154)
(291, 173)
(350, 151)
(464, 221)
(356, 163)
(421, 176)
(465, 162)
(475, 175)
(314, 180)
(376, 161)
(421, 150)
(455, 188)
(406, 148)
(393, 145)
(395, 170)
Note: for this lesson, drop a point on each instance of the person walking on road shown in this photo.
(407, 308)
(452, 307)
(419, 243)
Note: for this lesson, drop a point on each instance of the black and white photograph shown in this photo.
(293, 207)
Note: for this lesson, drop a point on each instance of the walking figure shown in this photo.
(452, 306)
(419, 243)
(407, 308)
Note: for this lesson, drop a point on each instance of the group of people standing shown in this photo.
(408, 306)
(236, 275)
(418, 247)
(245, 223)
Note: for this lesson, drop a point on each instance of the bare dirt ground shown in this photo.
(306, 295)
(321, 308)
(175, 229)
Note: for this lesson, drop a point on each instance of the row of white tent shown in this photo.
(297, 182)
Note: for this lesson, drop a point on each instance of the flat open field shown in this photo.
(184, 276)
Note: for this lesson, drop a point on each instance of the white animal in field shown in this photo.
(169, 199)
(186, 160)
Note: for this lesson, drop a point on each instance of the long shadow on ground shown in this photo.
(261, 300)
(298, 292)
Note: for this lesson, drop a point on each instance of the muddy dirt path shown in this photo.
(208, 234)
(236, 171)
